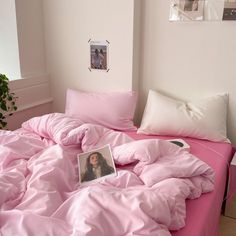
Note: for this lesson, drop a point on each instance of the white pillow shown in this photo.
(203, 119)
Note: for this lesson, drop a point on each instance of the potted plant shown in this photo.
(7, 101)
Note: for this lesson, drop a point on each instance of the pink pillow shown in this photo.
(113, 110)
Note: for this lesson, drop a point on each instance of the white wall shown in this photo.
(187, 60)
(68, 27)
(9, 51)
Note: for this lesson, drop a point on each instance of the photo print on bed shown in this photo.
(96, 164)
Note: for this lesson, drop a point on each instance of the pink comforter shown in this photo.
(40, 194)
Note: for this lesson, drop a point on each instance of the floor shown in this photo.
(227, 226)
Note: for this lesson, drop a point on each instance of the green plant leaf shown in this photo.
(3, 106)
(3, 123)
(7, 101)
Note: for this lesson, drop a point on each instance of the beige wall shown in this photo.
(187, 60)
(68, 27)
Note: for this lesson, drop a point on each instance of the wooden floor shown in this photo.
(227, 226)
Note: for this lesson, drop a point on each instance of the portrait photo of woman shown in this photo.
(98, 55)
(96, 164)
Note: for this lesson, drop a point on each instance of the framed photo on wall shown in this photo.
(229, 10)
(194, 9)
(98, 55)
(191, 10)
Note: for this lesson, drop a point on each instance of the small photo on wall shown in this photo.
(193, 9)
(191, 5)
(186, 10)
(229, 10)
(99, 55)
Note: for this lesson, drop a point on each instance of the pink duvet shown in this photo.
(40, 192)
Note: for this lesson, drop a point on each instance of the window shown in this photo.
(9, 50)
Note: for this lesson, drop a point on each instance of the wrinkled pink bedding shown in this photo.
(40, 194)
(203, 214)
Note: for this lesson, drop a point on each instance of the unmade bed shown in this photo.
(203, 213)
(158, 188)
(39, 182)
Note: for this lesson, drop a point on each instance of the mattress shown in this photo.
(203, 213)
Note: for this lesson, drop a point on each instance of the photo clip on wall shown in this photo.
(202, 10)
(98, 54)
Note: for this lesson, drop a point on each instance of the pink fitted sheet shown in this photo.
(203, 214)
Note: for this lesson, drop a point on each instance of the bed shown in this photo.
(159, 188)
(207, 208)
